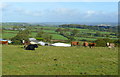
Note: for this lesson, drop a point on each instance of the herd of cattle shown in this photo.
(29, 46)
(85, 44)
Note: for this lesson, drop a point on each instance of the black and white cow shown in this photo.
(31, 47)
(110, 45)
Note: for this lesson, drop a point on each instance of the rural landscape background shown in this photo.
(63, 22)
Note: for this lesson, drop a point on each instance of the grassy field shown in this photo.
(58, 37)
(7, 34)
(48, 60)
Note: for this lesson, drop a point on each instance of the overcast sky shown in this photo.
(59, 11)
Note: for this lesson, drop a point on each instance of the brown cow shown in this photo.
(4, 42)
(85, 44)
(74, 43)
(91, 45)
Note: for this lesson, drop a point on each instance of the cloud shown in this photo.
(69, 14)
(90, 13)
(101, 16)
(28, 12)
(63, 12)
(58, 14)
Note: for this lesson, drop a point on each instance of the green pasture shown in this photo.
(8, 35)
(48, 60)
(45, 27)
(91, 38)
(54, 36)
(50, 31)
(49, 27)
(7, 26)
(33, 34)
(81, 30)
(58, 37)
(10, 31)
(114, 38)
(105, 32)
(83, 38)
(90, 31)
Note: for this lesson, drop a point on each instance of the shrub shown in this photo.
(17, 42)
(102, 42)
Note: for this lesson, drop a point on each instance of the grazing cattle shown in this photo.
(91, 45)
(31, 47)
(74, 43)
(107, 44)
(110, 45)
(85, 44)
(4, 42)
(26, 43)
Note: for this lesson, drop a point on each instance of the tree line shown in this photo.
(99, 28)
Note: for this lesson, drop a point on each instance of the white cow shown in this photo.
(110, 45)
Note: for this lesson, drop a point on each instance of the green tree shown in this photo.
(47, 37)
(74, 32)
(39, 34)
(98, 34)
(43, 36)
(58, 30)
(71, 38)
(22, 35)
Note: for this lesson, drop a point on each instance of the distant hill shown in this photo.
(81, 23)
(58, 23)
